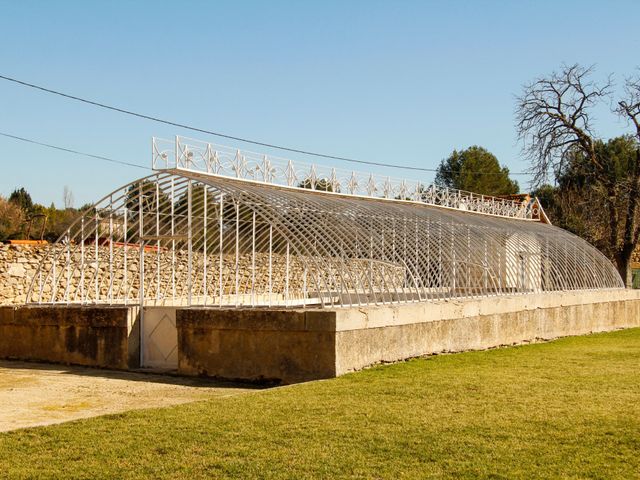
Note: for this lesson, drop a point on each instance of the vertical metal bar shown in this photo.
(40, 285)
(485, 273)
(440, 266)
(383, 280)
(173, 243)
(54, 284)
(68, 268)
(220, 242)
(126, 249)
(467, 280)
(419, 273)
(371, 289)
(453, 262)
(110, 294)
(404, 249)
(253, 260)
(237, 266)
(157, 241)
(189, 245)
(97, 261)
(499, 271)
(141, 268)
(204, 246)
(286, 285)
(82, 297)
(270, 262)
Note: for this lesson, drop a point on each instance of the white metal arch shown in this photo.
(188, 238)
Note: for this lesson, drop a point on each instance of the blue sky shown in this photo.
(401, 82)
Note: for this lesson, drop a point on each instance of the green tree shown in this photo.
(475, 170)
(22, 198)
(11, 219)
(146, 196)
(321, 184)
(573, 203)
(181, 210)
(57, 222)
(197, 203)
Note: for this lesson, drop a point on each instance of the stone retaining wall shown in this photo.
(19, 264)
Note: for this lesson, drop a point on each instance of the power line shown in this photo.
(76, 152)
(231, 137)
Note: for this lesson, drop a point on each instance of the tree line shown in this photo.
(21, 218)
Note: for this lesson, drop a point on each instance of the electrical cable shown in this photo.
(231, 137)
(76, 152)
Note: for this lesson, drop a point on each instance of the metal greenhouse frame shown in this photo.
(219, 227)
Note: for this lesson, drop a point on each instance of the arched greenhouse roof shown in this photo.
(180, 237)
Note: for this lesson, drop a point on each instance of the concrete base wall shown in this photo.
(92, 336)
(288, 346)
(256, 345)
(386, 334)
(292, 346)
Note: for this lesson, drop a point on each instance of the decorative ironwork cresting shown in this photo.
(197, 238)
(189, 155)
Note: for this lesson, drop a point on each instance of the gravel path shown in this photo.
(33, 394)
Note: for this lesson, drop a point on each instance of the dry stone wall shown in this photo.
(18, 264)
(106, 281)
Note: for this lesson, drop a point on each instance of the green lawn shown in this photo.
(565, 409)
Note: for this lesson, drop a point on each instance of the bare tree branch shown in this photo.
(553, 120)
(629, 107)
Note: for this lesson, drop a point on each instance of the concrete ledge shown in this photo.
(92, 336)
(386, 334)
(419, 312)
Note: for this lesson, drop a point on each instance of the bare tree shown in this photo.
(553, 119)
(629, 108)
(554, 124)
(67, 197)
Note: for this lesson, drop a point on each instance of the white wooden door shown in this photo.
(159, 338)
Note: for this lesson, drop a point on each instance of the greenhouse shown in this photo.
(217, 227)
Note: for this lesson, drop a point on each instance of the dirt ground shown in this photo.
(33, 394)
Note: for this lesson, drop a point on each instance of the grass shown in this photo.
(565, 409)
(68, 407)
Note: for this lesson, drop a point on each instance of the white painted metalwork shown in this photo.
(160, 338)
(190, 238)
(194, 156)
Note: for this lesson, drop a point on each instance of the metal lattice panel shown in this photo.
(186, 238)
